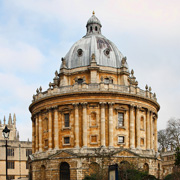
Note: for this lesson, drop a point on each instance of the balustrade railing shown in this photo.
(95, 87)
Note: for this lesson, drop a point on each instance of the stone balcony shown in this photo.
(95, 87)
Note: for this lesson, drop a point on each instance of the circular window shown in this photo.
(79, 52)
(107, 52)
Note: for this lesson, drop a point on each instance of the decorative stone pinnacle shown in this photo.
(37, 90)
(132, 72)
(146, 87)
(40, 89)
(123, 61)
(150, 88)
(56, 73)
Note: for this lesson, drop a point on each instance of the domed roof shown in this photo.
(106, 53)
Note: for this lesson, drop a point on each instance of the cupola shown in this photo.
(93, 25)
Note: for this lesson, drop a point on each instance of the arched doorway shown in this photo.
(43, 172)
(64, 171)
(146, 167)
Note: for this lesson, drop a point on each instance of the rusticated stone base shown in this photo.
(82, 162)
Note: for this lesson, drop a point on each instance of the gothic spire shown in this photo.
(10, 119)
(4, 120)
(14, 119)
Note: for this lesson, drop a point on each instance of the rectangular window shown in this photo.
(94, 139)
(66, 140)
(66, 120)
(28, 152)
(120, 119)
(46, 142)
(120, 139)
(10, 152)
(10, 165)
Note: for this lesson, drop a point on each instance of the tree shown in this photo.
(177, 157)
(173, 132)
(169, 138)
(163, 140)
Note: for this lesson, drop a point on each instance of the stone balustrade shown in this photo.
(95, 87)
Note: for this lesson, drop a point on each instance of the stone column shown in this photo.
(148, 130)
(155, 134)
(33, 135)
(84, 124)
(56, 129)
(40, 133)
(50, 129)
(37, 134)
(76, 123)
(138, 127)
(151, 131)
(103, 140)
(110, 124)
(132, 133)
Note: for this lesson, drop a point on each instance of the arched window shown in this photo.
(142, 122)
(43, 172)
(96, 28)
(91, 29)
(93, 121)
(46, 124)
(64, 171)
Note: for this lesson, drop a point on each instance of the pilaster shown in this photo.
(103, 140)
(50, 128)
(132, 129)
(110, 124)
(148, 130)
(84, 105)
(40, 132)
(37, 133)
(76, 123)
(138, 127)
(56, 129)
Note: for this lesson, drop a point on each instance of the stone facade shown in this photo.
(93, 113)
(168, 160)
(18, 152)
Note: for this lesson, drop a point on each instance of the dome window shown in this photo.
(80, 81)
(107, 52)
(96, 28)
(79, 52)
(91, 29)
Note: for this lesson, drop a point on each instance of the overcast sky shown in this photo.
(35, 34)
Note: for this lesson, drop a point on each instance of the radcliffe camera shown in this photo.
(84, 110)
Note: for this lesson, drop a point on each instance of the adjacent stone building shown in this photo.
(93, 114)
(17, 152)
(168, 160)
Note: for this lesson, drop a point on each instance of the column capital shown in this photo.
(102, 103)
(75, 105)
(138, 107)
(132, 106)
(111, 103)
(84, 104)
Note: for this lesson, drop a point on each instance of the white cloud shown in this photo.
(19, 56)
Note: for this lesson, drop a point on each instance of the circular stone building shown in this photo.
(93, 114)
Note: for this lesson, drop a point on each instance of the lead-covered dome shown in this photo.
(106, 53)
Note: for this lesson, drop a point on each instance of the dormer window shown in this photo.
(79, 52)
(107, 52)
